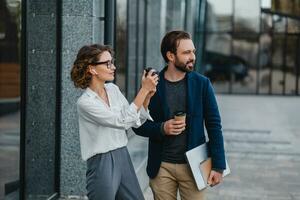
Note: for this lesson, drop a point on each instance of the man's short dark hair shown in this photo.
(170, 42)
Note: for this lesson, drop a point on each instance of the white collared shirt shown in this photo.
(102, 128)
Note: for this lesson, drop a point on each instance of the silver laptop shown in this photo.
(195, 157)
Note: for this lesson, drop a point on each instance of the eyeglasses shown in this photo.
(109, 63)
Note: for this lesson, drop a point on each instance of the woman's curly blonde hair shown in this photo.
(87, 55)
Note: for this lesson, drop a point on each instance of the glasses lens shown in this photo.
(110, 63)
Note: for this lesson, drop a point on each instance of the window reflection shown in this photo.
(121, 42)
(10, 14)
(219, 14)
(250, 48)
(246, 16)
(175, 14)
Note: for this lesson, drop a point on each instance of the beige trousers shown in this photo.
(173, 177)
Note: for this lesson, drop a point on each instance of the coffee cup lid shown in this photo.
(179, 113)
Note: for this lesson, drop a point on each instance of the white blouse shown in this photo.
(102, 128)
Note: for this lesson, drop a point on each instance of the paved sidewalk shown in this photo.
(262, 141)
(9, 149)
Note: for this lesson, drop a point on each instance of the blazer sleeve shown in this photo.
(214, 129)
(151, 129)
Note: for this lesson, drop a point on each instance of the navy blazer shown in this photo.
(202, 109)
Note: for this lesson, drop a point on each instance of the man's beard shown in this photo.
(183, 67)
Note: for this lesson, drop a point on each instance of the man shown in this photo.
(181, 89)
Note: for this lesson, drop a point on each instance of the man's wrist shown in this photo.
(162, 129)
(218, 170)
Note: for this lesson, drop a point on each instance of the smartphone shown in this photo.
(148, 69)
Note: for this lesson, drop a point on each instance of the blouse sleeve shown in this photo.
(125, 119)
(144, 114)
(127, 116)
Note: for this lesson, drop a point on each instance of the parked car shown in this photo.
(223, 67)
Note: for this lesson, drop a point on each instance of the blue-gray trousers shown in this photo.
(111, 176)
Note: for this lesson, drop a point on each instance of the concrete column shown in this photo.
(40, 120)
(53, 40)
(80, 26)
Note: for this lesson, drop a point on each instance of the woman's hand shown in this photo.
(148, 97)
(147, 90)
(149, 82)
(151, 93)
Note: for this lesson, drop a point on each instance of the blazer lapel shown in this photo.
(162, 94)
(190, 94)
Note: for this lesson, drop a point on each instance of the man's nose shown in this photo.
(193, 56)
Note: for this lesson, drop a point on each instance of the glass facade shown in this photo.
(251, 48)
(120, 45)
(10, 32)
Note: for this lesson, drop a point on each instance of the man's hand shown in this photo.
(214, 178)
(174, 127)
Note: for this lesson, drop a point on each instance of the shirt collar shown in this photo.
(90, 92)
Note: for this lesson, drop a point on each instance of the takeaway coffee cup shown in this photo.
(179, 115)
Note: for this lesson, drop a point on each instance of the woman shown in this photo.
(104, 116)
